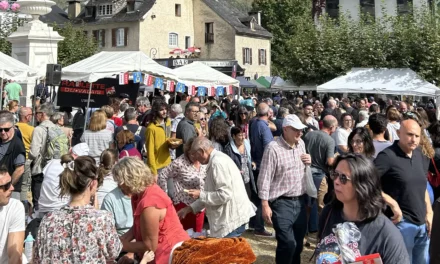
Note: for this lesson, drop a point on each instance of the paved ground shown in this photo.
(264, 248)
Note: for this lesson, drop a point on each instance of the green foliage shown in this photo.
(315, 51)
(76, 45)
(8, 24)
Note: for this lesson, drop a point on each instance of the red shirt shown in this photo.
(117, 120)
(171, 231)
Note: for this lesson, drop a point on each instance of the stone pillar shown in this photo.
(35, 43)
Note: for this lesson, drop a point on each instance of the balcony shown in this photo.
(209, 38)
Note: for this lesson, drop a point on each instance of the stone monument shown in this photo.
(34, 43)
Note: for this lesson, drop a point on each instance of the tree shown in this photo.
(281, 18)
(243, 5)
(76, 45)
(9, 22)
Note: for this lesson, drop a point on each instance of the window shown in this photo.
(332, 8)
(119, 37)
(89, 11)
(187, 42)
(105, 10)
(177, 10)
(368, 8)
(404, 7)
(209, 32)
(99, 36)
(173, 40)
(247, 56)
(262, 57)
(130, 6)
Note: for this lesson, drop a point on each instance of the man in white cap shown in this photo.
(50, 199)
(281, 188)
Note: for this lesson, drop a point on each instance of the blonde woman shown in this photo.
(97, 137)
(156, 226)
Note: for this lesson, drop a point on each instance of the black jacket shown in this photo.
(15, 148)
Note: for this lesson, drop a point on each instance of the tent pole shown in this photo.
(88, 105)
(1, 90)
(34, 100)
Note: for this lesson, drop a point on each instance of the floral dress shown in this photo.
(77, 234)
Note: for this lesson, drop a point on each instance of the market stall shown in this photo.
(290, 86)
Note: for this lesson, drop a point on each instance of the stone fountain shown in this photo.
(35, 43)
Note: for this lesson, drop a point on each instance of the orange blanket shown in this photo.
(214, 251)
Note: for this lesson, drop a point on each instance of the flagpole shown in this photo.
(1, 90)
(88, 105)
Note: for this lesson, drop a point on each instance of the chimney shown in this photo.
(74, 8)
(259, 18)
(256, 15)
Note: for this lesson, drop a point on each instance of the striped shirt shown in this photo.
(282, 171)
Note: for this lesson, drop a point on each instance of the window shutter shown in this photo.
(114, 37)
(250, 56)
(265, 57)
(259, 56)
(103, 38)
(125, 36)
(244, 56)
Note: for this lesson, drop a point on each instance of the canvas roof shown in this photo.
(108, 64)
(200, 74)
(14, 69)
(397, 81)
(291, 86)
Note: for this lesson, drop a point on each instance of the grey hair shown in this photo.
(6, 117)
(130, 114)
(262, 111)
(283, 111)
(56, 116)
(123, 107)
(363, 114)
(177, 108)
(143, 101)
(268, 100)
(204, 110)
(201, 143)
(331, 102)
(47, 108)
(23, 112)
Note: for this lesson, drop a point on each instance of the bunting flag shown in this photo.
(180, 87)
(148, 80)
(170, 86)
(211, 91)
(191, 90)
(137, 77)
(123, 78)
(230, 90)
(158, 83)
(201, 91)
(219, 91)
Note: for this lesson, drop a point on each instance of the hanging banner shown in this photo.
(230, 90)
(148, 80)
(137, 77)
(158, 83)
(76, 93)
(123, 78)
(201, 91)
(170, 86)
(191, 90)
(180, 88)
(220, 91)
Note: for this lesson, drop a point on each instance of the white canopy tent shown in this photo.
(290, 86)
(380, 81)
(108, 64)
(199, 74)
(16, 70)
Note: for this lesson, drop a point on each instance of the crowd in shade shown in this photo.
(172, 180)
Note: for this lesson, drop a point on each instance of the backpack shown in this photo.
(57, 143)
(137, 139)
(434, 178)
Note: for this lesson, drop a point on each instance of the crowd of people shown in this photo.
(135, 182)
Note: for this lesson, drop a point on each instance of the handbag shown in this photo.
(434, 179)
(310, 184)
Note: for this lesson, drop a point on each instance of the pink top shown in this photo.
(133, 152)
(171, 231)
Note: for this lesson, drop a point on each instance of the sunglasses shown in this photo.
(6, 129)
(6, 186)
(202, 119)
(342, 177)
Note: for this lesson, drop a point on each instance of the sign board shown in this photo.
(76, 93)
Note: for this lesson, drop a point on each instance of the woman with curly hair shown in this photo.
(156, 226)
(219, 133)
(360, 142)
(358, 202)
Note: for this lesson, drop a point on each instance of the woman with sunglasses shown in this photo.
(203, 123)
(242, 121)
(360, 142)
(358, 199)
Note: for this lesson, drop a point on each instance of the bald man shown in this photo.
(403, 180)
(403, 107)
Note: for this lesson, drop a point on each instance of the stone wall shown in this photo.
(255, 44)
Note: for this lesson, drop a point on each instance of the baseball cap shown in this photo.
(293, 121)
(81, 149)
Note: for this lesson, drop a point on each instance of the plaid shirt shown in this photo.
(282, 171)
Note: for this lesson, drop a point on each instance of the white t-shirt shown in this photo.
(12, 219)
(341, 136)
(108, 185)
(50, 188)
